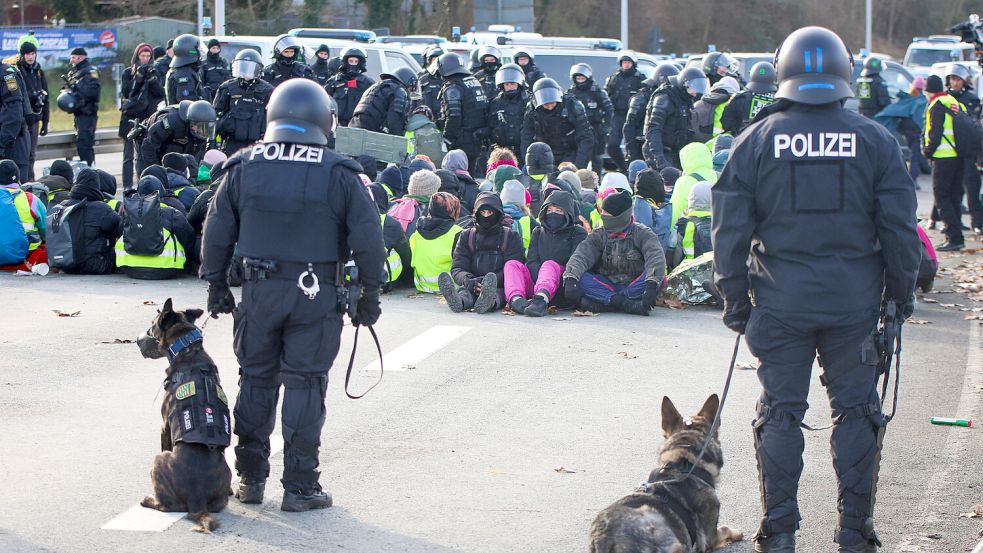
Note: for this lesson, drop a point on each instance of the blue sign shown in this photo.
(54, 45)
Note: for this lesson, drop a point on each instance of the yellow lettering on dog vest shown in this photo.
(186, 390)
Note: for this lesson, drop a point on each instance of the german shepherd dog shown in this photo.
(675, 511)
(190, 477)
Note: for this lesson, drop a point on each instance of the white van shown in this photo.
(924, 52)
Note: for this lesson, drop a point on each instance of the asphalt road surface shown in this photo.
(489, 433)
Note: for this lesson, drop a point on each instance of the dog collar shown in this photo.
(183, 342)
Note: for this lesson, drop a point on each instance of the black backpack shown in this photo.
(968, 133)
(701, 236)
(65, 235)
(143, 233)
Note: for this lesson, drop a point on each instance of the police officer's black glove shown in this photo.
(220, 299)
(651, 294)
(44, 128)
(368, 309)
(905, 309)
(571, 290)
(736, 315)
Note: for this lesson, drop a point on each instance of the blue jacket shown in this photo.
(657, 219)
(907, 107)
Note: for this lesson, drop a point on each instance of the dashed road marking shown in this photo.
(408, 355)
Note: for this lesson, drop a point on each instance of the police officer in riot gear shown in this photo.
(507, 108)
(185, 128)
(429, 79)
(871, 88)
(288, 62)
(745, 106)
(386, 104)
(183, 80)
(15, 141)
(240, 103)
(83, 83)
(818, 196)
(717, 65)
(560, 121)
(215, 70)
(321, 68)
(489, 61)
(527, 61)
(463, 108)
(348, 86)
(36, 97)
(288, 327)
(668, 118)
(599, 110)
(635, 118)
(620, 87)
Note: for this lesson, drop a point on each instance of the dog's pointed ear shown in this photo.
(709, 409)
(672, 421)
(168, 306)
(193, 314)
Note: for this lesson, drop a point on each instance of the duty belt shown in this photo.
(266, 269)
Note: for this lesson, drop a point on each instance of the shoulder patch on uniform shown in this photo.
(221, 395)
(185, 390)
(11, 82)
(94, 73)
(182, 80)
(166, 123)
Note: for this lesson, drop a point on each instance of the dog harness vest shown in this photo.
(201, 410)
(672, 501)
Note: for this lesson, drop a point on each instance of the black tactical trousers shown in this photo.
(34, 131)
(21, 154)
(597, 156)
(971, 182)
(947, 190)
(614, 142)
(129, 149)
(280, 336)
(786, 345)
(85, 125)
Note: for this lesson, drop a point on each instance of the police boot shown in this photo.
(447, 288)
(488, 296)
(250, 491)
(298, 501)
(776, 543)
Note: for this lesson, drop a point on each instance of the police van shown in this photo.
(924, 52)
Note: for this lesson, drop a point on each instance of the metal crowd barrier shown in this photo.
(61, 145)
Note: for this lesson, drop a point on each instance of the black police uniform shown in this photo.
(822, 200)
(742, 109)
(668, 124)
(463, 108)
(240, 110)
(141, 91)
(505, 113)
(873, 95)
(215, 70)
(288, 207)
(282, 71)
(971, 176)
(487, 79)
(322, 71)
(383, 108)
(430, 86)
(599, 115)
(565, 128)
(36, 91)
(162, 64)
(635, 122)
(184, 83)
(621, 86)
(83, 79)
(13, 123)
(532, 72)
(168, 134)
(347, 90)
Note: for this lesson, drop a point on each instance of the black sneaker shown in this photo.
(488, 295)
(250, 491)
(635, 307)
(446, 284)
(298, 501)
(949, 247)
(518, 304)
(538, 307)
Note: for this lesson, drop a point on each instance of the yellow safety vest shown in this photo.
(394, 265)
(525, 229)
(113, 203)
(171, 257)
(595, 219)
(432, 257)
(410, 145)
(27, 221)
(689, 241)
(947, 146)
(718, 112)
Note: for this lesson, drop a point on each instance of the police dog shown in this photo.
(674, 512)
(190, 477)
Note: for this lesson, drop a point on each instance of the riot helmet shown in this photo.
(959, 71)
(185, 51)
(872, 66)
(182, 109)
(486, 51)
(510, 73)
(693, 79)
(546, 91)
(286, 43)
(431, 53)
(715, 61)
(300, 112)
(353, 52)
(762, 78)
(67, 101)
(628, 55)
(247, 65)
(813, 67)
(661, 74)
(581, 69)
(201, 120)
(403, 75)
(450, 64)
(523, 54)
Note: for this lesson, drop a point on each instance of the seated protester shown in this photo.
(433, 243)
(515, 207)
(693, 227)
(408, 209)
(203, 177)
(588, 186)
(500, 156)
(178, 183)
(669, 176)
(153, 244)
(425, 137)
(391, 180)
(479, 260)
(456, 161)
(99, 225)
(370, 166)
(22, 222)
(633, 168)
(720, 159)
(583, 207)
(397, 247)
(566, 166)
(620, 266)
(503, 174)
(697, 163)
(108, 186)
(59, 181)
(650, 207)
(532, 286)
(451, 184)
(166, 196)
(539, 172)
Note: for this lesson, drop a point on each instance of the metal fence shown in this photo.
(61, 145)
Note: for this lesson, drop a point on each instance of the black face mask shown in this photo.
(554, 221)
(491, 66)
(486, 223)
(584, 85)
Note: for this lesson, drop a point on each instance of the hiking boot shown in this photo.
(863, 547)
(635, 307)
(594, 306)
(518, 304)
(488, 295)
(538, 307)
(298, 501)
(250, 491)
(949, 247)
(778, 543)
(449, 291)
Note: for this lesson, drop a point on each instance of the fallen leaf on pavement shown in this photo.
(508, 311)
(442, 301)
(934, 536)
(64, 314)
(971, 515)
(918, 322)
(564, 470)
(150, 302)
(560, 318)
(747, 366)
(414, 296)
(584, 314)
(974, 317)
(627, 355)
(118, 341)
(929, 300)
(552, 310)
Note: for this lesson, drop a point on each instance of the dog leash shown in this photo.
(720, 408)
(351, 363)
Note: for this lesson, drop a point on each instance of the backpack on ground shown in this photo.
(65, 235)
(968, 134)
(143, 232)
(13, 240)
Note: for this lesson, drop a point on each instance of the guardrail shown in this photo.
(61, 145)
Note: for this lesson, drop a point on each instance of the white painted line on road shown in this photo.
(408, 355)
(141, 519)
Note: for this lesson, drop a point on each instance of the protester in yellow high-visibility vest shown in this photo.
(947, 166)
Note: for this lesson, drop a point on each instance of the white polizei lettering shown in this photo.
(276, 151)
(848, 145)
(782, 142)
(800, 150)
(830, 149)
(810, 152)
(257, 149)
(816, 145)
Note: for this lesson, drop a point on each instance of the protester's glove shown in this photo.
(571, 290)
(44, 128)
(220, 299)
(651, 294)
(736, 315)
(368, 309)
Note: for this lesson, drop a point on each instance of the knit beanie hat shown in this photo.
(649, 185)
(79, 51)
(369, 166)
(27, 47)
(513, 193)
(63, 169)
(448, 181)
(505, 173)
(573, 180)
(720, 159)
(919, 83)
(933, 84)
(669, 177)
(423, 183)
(588, 178)
(633, 168)
(214, 42)
(9, 174)
(615, 180)
(175, 162)
(213, 158)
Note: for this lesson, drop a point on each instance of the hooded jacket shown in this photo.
(100, 224)
(697, 162)
(188, 193)
(392, 232)
(171, 219)
(558, 246)
(58, 188)
(479, 252)
(392, 178)
(456, 161)
(166, 196)
(620, 256)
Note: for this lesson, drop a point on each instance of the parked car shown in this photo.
(924, 52)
